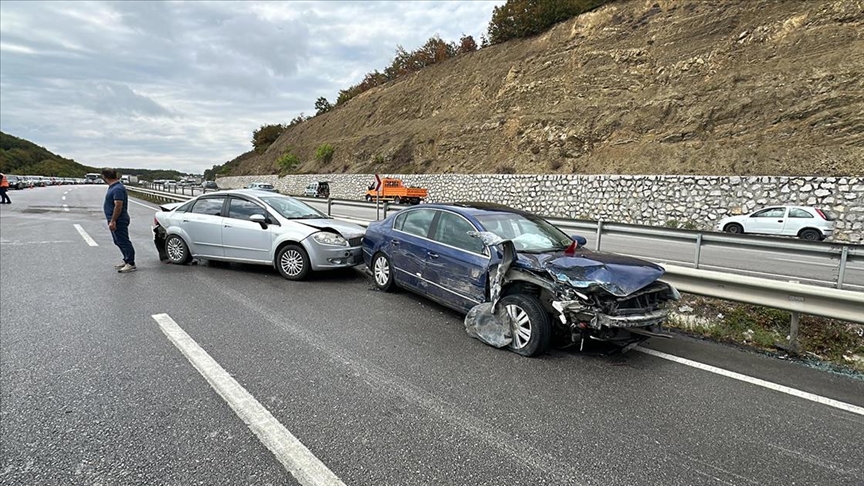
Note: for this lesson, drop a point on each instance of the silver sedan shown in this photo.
(250, 226)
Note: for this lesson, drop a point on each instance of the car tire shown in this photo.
(292, 261)
(734, 228)
(177, 250)
(382, 273)
(810, 234)
(397, 200)
(368, 198)
(534, 330)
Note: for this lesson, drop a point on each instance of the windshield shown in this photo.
(293, 209)
(529, 234)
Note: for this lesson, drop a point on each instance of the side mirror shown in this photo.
(580, 240)
(260, 219)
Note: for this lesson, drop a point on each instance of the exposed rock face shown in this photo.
(709, 87)
(692, 201)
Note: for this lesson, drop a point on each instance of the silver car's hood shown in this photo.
(344, 228)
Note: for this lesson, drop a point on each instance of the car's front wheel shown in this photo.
(177, 250)
(734, 228)
(292, 261)
(532, 330)
(382, 271)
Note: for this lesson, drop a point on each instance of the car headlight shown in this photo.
(331, 239)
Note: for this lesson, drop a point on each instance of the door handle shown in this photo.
(228, 226)
(432, 254)
(395, 242)
(185, 220)
(779, 220)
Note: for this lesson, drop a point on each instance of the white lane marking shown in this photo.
(297, 459)
(65, 208)
(90, 241)
(64, 198)
(756, 381)
(145, 205)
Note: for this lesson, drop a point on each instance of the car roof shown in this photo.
(470, 208)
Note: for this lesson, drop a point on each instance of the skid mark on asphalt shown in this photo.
(756, 381)
(385, 382)
(294, 456)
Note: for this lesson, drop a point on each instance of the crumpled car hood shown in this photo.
(617, 274)
(344, 228)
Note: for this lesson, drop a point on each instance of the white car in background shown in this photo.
(805, 222)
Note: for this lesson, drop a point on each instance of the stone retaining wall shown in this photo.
(691, 201)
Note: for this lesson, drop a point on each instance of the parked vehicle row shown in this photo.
(28, 181)
(521, 281)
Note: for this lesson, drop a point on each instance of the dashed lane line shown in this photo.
(756, 381)
(307, 469)
(90, 241)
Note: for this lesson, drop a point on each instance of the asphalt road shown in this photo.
(381, 388)
(768, 263)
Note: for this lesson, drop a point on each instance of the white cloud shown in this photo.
(183, 85)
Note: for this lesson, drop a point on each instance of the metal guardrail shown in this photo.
(790, 296)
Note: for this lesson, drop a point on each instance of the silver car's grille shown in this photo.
(355, 241)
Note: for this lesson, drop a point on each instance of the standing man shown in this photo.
(4, 186)
(116, 202)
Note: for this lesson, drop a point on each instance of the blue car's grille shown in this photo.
(355, 241)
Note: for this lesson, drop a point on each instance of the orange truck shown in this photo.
(394, 191)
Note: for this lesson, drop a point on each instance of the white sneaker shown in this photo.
(127, 268)
(120, 265)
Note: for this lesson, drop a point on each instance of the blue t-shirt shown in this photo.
(116, 192)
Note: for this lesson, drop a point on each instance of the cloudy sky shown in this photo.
(183, 85)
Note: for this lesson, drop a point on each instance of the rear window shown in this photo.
(211, 206)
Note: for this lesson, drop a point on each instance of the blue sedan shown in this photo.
(552, 286)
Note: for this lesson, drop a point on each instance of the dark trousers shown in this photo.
(121, 239)
(5, 198)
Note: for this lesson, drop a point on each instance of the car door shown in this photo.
(456, 264)
(769, 221)
(244, 239)
(407, 246)
(797, 220)
(203, 225)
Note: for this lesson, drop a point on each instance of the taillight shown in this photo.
(821, 214)
(155, 222)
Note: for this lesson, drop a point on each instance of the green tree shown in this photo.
(524, 18)
(324, 153)
(266, 135)
(322, 106)
(288, 162)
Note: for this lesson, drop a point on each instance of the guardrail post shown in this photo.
(386, 207)
(698, 250)
(599, 234)
(329, 207)
(793, 332)
(844, 255)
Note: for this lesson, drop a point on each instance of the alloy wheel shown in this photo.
(292, 262)
(523, 325)
(175, 249)
(382, 271)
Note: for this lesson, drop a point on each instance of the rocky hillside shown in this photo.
(712, 87)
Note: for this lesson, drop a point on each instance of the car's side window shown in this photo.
(452, 229)
(400, 220)
(417, 222)
(770, 213)
(185, 208)
(799, 213)
(243, 209)
(210, 205)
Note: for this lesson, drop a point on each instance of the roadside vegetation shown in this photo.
(838, 343)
